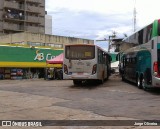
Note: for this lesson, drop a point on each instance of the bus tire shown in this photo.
(139, 82)
(143, 84)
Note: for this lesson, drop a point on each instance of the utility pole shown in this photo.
(134, 16)
(110, 40)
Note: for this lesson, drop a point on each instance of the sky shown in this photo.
(98, 19)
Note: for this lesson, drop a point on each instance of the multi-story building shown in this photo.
(22, 15)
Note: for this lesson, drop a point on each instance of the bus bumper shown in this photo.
(155, 81)
(79, 76)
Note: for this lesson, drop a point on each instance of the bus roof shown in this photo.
(127, 38)
(135, 49)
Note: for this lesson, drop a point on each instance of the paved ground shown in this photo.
(61, 100)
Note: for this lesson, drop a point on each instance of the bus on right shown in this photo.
(141, 64)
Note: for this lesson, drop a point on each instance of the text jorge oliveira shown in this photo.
(145, 123)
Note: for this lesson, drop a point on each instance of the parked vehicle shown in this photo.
(83, 62)
(141, 64)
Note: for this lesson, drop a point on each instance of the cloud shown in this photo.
(99, 6)
(90, 25)
(104, 15)
(98, 19)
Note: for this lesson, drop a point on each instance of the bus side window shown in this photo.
(103, 58)
(140, 37)
(148, 33)
(100, 56)
(124, 61)
(127, 61)
(134, 60)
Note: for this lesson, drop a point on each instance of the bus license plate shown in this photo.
(80, 73)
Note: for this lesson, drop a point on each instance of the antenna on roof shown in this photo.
(134, 16)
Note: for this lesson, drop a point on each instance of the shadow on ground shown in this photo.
(88, 85)
(154, 91)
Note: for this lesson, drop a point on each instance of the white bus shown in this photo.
(141, 64)
(84, 62)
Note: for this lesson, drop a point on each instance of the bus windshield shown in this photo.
(80, 52)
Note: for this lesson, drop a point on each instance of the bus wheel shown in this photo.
(139, 82)
(143, 84)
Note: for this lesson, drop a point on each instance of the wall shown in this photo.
(35, 39)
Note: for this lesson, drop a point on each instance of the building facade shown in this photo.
(24, 55)
(22, 15)
(36, 39)
(24, 62)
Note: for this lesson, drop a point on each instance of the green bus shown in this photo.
(141, 64)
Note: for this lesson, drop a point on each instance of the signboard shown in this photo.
(17, 56)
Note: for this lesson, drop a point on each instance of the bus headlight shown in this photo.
(65, 69)
(94, 69)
